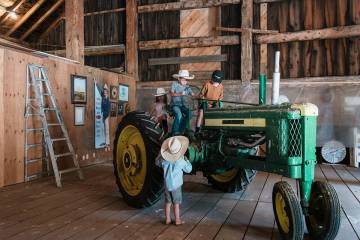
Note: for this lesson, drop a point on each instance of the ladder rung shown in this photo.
(63, 155)
(54, 124)
(46, 94)
(34, 114)
(40, 80)
(35, 176)
(50, 109)
(34, 145)
(69, 170)
(34, 129)
(29, 161)
(58, 139)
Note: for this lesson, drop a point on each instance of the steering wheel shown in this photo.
(192, 102)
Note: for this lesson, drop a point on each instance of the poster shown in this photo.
(123, 92)
(100, 141)
(79, 116)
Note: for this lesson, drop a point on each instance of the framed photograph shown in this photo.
(113, 109)
(121, 108)
(79, 115)
(78, 89)
(124, 92)
(114, 93)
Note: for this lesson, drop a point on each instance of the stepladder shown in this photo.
(47, 143)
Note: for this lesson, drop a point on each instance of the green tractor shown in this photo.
(226, 151)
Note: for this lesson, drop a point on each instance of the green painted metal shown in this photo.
(262, 89)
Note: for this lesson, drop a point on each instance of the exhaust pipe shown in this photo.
(276, 80)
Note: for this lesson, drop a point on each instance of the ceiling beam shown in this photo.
(42, 19)
(52, 26)
(13, 8)
(309, 35)
(185, 5)
(25, 17)
(192, 42)
(95, 50)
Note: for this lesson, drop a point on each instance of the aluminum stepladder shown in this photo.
(40, 106)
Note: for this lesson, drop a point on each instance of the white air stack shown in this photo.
(276, 80)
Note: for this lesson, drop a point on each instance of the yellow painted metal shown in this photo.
(281, 213)
(246, 122)
(131, 160)
(307, 109)
(226, 176)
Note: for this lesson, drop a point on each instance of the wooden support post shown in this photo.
(2, 122)
(74, 13)
(263, 47)
(132, 38)
(294, 47)
(246, 41)
(354, 48)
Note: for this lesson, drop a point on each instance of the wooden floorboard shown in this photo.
(94, 209)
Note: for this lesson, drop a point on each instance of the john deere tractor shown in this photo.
(227, 151)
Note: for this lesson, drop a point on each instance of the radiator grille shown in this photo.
(295, 138)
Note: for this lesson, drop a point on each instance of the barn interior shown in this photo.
(62, 62)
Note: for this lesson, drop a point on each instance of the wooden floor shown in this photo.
(93, 209)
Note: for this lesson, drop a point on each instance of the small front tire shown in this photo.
(324, 214)
(288, 212)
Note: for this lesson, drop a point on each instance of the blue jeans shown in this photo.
(182, 114)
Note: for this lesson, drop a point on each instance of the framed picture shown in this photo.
(124, 92)
(121, 108)
(78, 89)
(113, 109)
(79, 115)
(114, 93)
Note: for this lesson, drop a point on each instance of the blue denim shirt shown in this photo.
(173, 172)
(176, 87)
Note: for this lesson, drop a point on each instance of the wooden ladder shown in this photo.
(41, 105)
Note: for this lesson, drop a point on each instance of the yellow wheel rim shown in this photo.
(226, 176)
(131, 160)
(281, 213)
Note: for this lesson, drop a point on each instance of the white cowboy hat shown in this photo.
(174, 147)
(160, 92)
(183, 74)
(106, 87)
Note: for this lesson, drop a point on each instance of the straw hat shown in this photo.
(183, 74)
(173, 148)
(160, 92)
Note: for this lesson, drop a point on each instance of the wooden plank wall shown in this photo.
(231, 17)
(200, 23)
(59, 73)
(320, 57)
(156, 26)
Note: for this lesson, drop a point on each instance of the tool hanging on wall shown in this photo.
(42, 111)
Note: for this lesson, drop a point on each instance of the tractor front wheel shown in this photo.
(136, 145)
(323, 218)
(288, 212)
(232, 180)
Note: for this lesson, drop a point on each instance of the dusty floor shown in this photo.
(93, 209)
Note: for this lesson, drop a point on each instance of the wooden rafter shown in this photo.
(42, 19)
(25, 17)
(185, 5)
(13, 8)
(52, 26)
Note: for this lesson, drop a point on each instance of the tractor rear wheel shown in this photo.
(136, 146)
(232, 180)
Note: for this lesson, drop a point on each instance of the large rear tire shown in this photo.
(136, 146)
(232, 180)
